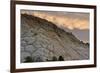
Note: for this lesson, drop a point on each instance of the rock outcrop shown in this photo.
(42, 40)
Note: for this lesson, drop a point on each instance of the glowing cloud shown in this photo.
(64, 19)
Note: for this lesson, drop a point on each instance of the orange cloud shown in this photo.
(63, 21)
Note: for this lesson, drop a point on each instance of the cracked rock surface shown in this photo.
(41, 40)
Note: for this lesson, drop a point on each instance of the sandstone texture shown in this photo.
(42, 40)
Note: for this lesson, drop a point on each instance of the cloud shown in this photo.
(64, 19)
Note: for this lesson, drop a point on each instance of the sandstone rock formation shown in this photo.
(42, 40)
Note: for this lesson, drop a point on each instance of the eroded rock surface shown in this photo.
(41, 40)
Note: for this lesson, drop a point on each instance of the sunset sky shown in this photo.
(75, 22)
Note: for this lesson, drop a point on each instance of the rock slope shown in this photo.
(42, 40)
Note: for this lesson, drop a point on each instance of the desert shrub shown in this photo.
(61, 58)
(28, 59)
(54, 58)
(38, 59)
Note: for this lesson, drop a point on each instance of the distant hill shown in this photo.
(43, 41)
